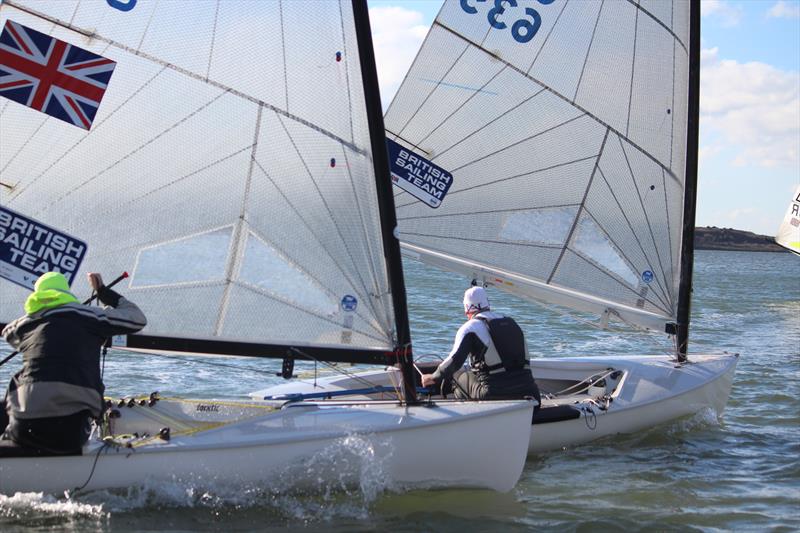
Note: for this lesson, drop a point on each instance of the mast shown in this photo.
(690, 184)
(380, 160)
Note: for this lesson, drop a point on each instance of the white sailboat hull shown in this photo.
(307, 445)
(647, 391)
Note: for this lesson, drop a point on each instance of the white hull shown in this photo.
(296, 446)
(646, 392)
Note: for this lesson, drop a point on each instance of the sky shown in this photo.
(749, 101)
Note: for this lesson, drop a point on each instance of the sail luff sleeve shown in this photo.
(388, 217)
(690, 188)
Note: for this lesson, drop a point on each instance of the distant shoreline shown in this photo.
(729, 239)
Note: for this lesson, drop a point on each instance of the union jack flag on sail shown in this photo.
(52, 76)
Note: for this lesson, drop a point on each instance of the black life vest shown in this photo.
(509, 341)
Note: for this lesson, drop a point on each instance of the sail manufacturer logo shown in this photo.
(418, 176)
(523, 28)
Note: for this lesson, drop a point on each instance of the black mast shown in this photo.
(690, 184)
(380, 159)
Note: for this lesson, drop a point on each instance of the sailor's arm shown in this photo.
(121, 316)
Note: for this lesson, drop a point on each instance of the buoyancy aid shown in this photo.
(506, 350)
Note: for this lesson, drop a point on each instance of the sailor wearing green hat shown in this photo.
(51, 401)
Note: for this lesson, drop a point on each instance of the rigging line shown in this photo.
(368, 242)
(578, 214)
(346, 243)
(547, 37)
(562, 97)
(308, 226)
(644, 210)
(351, 375)
(633, 73)
(315, 279)
(490, 211)
(95, 128)
(436, 86)
(239, 235)
(347, 73)
(664, 290)
(588, 50)
(480, 185)
(627, 259)
(213, 39)
(465, 102)
(188, 73)
(92, 217)
(134, 151)
(624, 285)
(276, 297)
(481, 128)
(485, 241)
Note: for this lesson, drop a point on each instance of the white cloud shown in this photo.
(783, 9)
(397, 34)
(728, 14)
(754, 107)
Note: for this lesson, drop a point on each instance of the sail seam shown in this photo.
(547, 38)
(347, 73)
(588, 50)
(633, 74)
(644, 211)
(561, 96)
(581, 208)
(283, 52)
(509, 210)
(635, 236)
(453, 193)
(486, 241)
(193, 75)
(362, 285)
(213, 39)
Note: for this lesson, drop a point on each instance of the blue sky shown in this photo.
(750, 101)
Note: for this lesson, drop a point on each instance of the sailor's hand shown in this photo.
(428, 380)
(95, 280)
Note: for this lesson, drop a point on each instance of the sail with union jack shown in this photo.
(52, 76)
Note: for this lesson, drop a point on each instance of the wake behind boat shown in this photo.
(232, 158)
(563, 138)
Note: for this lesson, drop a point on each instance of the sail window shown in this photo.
(549, 226)
(265, 267)
(188, 260)
(593, 243)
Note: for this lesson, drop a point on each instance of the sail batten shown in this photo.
(564, 126)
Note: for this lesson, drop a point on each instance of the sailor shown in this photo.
(50, 402)
(498, 355)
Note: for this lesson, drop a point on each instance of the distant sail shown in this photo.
(564, 125)
(789, 232)
(229, 170)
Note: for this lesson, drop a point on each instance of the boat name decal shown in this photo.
(207, 408)
(523, 29)
(29, 248)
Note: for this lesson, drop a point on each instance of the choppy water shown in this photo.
(741, 473)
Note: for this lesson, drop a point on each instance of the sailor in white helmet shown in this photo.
(498, 355)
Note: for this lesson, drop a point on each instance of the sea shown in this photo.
(737, 472)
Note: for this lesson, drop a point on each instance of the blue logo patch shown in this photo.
(349, 303)
(647, 276)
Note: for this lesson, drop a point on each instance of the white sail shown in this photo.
(228, 169)
(789, 232)
(564, 127)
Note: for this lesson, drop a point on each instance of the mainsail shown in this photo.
(789, 232)
(229, 169)
(564, 125)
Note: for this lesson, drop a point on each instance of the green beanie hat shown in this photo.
(50, 290)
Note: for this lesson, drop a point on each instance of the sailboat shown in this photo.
(570, 131)
(230, 155)
(789, 232)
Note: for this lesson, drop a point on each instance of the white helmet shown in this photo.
(475, 300)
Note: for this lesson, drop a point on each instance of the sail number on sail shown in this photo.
(523, 29)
